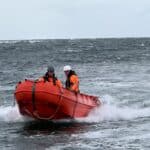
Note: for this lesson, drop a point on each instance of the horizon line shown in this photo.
(82, 38)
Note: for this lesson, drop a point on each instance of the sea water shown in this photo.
(115, 70)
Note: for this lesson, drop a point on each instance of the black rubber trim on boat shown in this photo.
(33, 96)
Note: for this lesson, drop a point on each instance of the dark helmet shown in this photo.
(50, 69)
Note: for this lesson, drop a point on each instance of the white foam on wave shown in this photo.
(10, 114)
(109, 111)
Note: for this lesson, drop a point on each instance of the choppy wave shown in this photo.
(11, 114)
(114, 113)
(106, 112)
(109, 111)
(5, 88)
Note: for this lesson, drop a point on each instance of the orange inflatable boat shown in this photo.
(44, 101)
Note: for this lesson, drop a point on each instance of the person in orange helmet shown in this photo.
(50, 77)
(72, 80)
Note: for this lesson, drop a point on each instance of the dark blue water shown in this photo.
(116, 70)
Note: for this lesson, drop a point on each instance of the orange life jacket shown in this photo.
(72, 82)
(50, 79)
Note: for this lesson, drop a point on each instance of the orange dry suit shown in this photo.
(72, 82)
(51, 79)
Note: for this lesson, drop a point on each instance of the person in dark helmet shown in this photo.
(50, 77)
(72, 80)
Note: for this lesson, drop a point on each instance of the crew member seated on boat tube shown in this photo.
(50, 77)
(72, 80)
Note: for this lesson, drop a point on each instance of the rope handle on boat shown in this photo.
(74, 109)
(35, 113)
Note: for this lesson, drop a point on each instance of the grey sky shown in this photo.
(38, 19)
